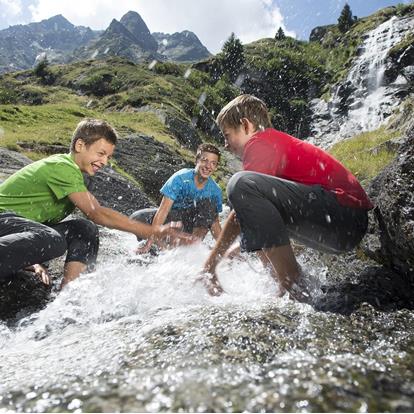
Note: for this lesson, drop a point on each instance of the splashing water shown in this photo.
(143, 335)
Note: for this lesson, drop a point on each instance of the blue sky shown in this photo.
(211, 20)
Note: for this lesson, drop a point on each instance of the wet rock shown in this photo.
(148, 161)
(184, 132)
(115, 191)
(382, 288)
(22, 294)
(393, 193)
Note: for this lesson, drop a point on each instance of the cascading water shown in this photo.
(143, 335)
(364, 100)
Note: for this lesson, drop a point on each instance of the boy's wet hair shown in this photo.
(92, 130)
(244, 106)
(207, 148)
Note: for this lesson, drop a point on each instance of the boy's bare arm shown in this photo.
(163, 210)
(216, 229)
(159, 219)
(107, 217)
(230, 231)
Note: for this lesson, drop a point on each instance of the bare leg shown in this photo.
(200, 232)
(72, 271)
(286, 269)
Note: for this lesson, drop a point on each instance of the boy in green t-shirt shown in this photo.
(34, 200)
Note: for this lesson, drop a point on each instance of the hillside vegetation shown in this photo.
(44, 104)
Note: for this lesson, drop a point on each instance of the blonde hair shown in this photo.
(92, 130)
(244, 106)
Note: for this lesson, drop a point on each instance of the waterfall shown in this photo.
(365, 99)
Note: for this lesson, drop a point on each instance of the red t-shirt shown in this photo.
(281, 155)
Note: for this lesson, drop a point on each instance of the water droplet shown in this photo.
(152, 64)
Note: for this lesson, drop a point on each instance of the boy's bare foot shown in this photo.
(299, 292)
(40, 271)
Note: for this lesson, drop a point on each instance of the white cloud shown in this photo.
(10, 9)
(212, 21)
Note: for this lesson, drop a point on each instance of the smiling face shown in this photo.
(91, 158)
(206, 164)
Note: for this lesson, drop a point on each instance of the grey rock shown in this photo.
(115, 191)
(393, 193)
(181, 46)
(148, 161)
(184, 132)
(55, 38)
(134, 23)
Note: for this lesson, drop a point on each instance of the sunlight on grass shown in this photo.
(366, 154)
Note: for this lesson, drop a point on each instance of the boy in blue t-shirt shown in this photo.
(191, 197)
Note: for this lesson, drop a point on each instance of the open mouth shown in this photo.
(95, 167)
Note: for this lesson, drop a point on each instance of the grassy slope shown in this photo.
(32, 111)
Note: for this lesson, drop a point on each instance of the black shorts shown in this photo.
(272, 210)
(24, 242)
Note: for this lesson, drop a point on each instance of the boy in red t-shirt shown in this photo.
(288, 189)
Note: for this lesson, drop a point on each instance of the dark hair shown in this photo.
(92, 130)
(244, 106)
(207, 148)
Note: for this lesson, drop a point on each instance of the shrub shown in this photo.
(100, 84)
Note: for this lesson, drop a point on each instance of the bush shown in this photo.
(168, 68)
(32, 97)
(43, 72)
(8, 96)
(100, 84)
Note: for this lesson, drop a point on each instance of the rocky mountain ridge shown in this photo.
(59, 41)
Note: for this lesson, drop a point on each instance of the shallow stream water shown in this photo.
(145, 336)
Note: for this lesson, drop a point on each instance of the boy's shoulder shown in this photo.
(184, 173)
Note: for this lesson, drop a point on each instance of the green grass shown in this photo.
(55, 123)
(364, 155)
(50, 123)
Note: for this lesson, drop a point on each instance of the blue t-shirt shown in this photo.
(181, 188)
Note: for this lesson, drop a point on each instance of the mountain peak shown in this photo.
(56, 23)
(136, 25)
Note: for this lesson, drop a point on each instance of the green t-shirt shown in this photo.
(40, 190)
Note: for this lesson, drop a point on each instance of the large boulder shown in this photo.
(393, 193)
(10, 162)
(184, 132)
(148, 161)
(115, 191)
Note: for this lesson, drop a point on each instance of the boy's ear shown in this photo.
(247, 126)
(79, 144)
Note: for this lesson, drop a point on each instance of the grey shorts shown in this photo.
(272, 210)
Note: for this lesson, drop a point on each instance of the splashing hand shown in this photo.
(169, 236)
(210, 282)
(40, 271)
(144, 249)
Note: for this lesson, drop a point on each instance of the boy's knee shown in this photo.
(238, 185)
(144, 216)
(86, 229)
(56, 242)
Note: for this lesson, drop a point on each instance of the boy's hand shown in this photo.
(40, 271)
(144, 249)
(171, 237)
(211, 283)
